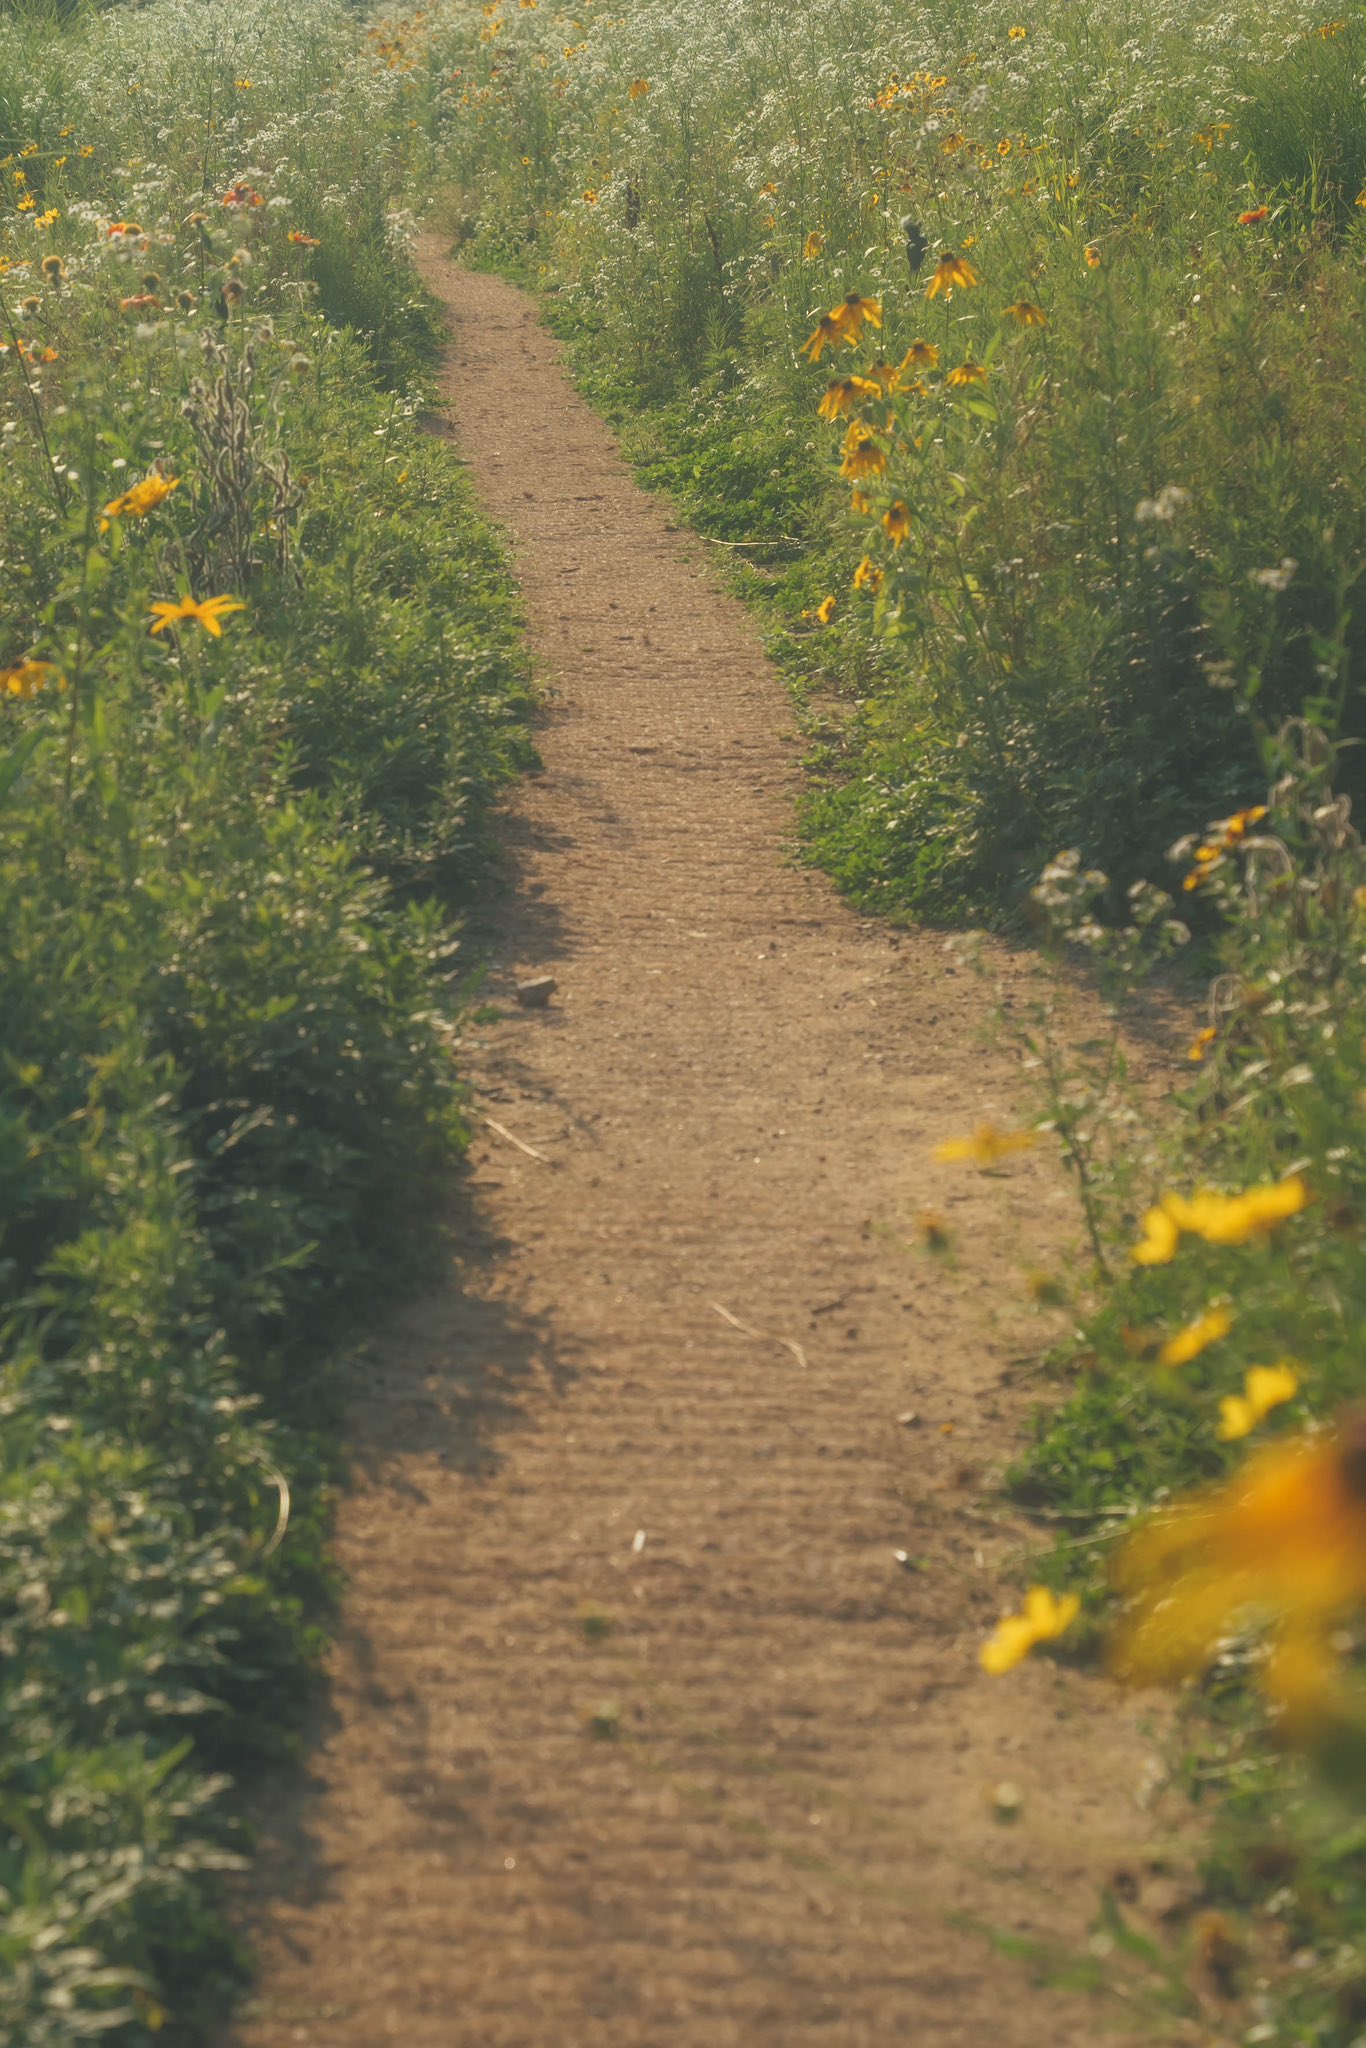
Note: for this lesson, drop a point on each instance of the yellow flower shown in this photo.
(921, 355)
(1265, 1387)
(965, 375)
(812, 246)
(825, 610)
(141, 499)
(1283, 1540)
(828, 334)
(861, 506)
(1201, 1043)
(638, 88)
(208, 612)
(1218, 1219)
(863, 454)
(1017, 35)
(1044, 1619)
(843, 395)
(301, 240)
(590, 197)
(28, 678)
(986, 1146)
(1092, 256)
(851, 314)
(868, 576)
(1025, 314)
(896, 521)
(952, 272)
(1207, 1329)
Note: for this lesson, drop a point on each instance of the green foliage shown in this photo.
(1051, 649)
(228, 866)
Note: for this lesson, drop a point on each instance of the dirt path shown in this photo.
(642, 1735)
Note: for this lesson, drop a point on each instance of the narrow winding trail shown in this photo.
(641, 1736)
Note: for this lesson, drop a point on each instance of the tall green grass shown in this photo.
(228, 872)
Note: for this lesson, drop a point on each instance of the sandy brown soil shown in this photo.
(642, 1736)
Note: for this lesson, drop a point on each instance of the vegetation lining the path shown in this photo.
(259, 675)
(1019, 356)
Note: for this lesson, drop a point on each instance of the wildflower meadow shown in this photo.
(1017, 361)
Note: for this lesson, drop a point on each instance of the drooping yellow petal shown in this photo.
(1207, 1329)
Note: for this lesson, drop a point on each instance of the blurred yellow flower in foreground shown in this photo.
(1281, 1544)
(1045, 1618)
(986, 1145)
(208, 612)
(1218, 1219)
(141, 499)
(1264, 1388)
(1207, 1329)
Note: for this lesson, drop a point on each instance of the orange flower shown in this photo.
(897, 522)
(828, 334)
(1252, 216)
(952, 272)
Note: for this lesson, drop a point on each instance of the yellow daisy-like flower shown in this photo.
(1201, 1043)
(952, 273)
(966, 375)
(896, 521)
(1025, 314)
(844, 395)
(921, 355)
(853, 312)
(825, 610)
(868, 576)
(29, 677)
(864, 455)
(812, 246)
(1207, 1329)
(208, 612)
(140, 500)
(1017, 35)
(861, 507)
(1282, 1541)
(1218, 1219)
(828, 334)
(1092, 254)
(638, 88)
(1044, 1619)
(986, 1146)
(1265, 1387)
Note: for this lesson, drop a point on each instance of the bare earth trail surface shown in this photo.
(641, 1736)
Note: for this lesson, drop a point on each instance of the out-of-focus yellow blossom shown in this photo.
(1025, 314)
(1265, 1387)
(986, 1146)
(1280, 1544)
(844, 395)
(1218, 1219)
(812, 246)
(897, 521)
(1207, 1329)
(863, 453)
(1044, 1619)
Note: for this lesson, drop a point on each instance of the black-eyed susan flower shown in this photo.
(637, 89)
(860, 504)
(1264, 1387)
(853, 312)
(1025, 314)
(828, 333)
(921, 355)
(951, 273)
(843, 395)
(1045, 1618)
(208, 612)
(966, 375)
(812, 246)
(1212, 1325)
(863, 453)
(1092, 255)
(896, 521)
(825, 610)
(868, 576)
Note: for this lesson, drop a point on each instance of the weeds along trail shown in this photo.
(642, 1732)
